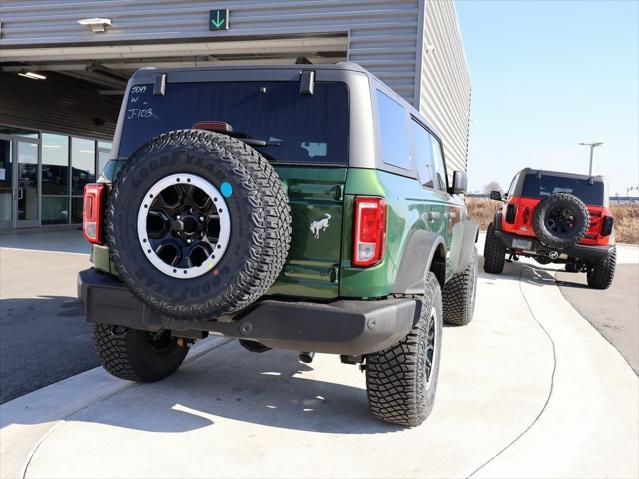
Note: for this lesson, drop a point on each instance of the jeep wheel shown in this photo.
(561, 220)
(198, 224)
(458, 295)
(137, 355)
(401, 381)
(601, 273)
(494, 252)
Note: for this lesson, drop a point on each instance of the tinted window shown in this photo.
(393, 132)
(55, 164)
(535, 187)
(438, 161)
(423, 155)
(301, 128)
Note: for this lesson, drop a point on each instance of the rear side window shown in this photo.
(544, 186)
(438, 161)
(298, 128)
(393, 132)
(423, 155)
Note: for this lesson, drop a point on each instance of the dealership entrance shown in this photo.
(42, 176)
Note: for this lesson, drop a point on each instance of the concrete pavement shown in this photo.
(528, 389)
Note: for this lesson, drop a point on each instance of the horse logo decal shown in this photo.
(320, 225)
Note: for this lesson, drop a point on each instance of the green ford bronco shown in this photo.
(302, 207)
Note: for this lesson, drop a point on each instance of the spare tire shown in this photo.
(561, 220)
(198, 224)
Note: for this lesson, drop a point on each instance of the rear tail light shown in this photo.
(606, 227)
(92, 213)
(511, 211)
(370, 230)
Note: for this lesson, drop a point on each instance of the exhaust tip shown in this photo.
(306, 357)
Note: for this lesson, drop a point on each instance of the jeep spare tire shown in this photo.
(561, 220)
(198, 224)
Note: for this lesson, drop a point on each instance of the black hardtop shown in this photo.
(561, 174)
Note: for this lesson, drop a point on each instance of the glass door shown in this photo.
(6, 183)
(26, 192)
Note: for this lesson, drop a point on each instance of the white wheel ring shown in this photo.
(188, 179)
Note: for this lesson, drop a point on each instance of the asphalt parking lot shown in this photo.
(43, 335)
(528, 380)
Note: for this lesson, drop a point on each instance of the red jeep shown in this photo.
(554, 218)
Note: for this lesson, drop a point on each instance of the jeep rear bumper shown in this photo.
(348, 327)
(578, 251)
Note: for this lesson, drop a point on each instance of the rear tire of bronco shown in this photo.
(137, 355)
(198, 224)
(602, 272)
(401, 381)
(458, 295)
(494, 252)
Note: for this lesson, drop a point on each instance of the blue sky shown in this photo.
(546, 75)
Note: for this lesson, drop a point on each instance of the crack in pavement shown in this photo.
(552, 379)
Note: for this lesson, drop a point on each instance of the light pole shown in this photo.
(592, 146)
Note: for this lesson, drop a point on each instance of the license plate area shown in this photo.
(519, 243)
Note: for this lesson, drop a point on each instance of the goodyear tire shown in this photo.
(198, 224)
(458, 295)
(561, 221)
(494, 252)
(601, 273)
(401, 381)
(137, 355)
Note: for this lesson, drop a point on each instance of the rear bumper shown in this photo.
(577, 251)
(340, 327)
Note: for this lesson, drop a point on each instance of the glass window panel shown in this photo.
(423, 155)
(104, 154)
(55, 164)
(270, 111)
(438, 160)
(393, 132)
(77, 203)
(82, 164)
(28, 194)
(6, 183)
(55, 210)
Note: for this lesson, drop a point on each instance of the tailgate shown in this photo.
(316, 196)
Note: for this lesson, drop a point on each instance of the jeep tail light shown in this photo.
(92, 213)
(606, 227)
(370, 230)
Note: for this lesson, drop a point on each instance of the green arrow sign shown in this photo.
(219, 19)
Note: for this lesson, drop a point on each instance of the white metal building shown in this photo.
(86, 50)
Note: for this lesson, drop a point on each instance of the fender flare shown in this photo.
(471, 233)
(417, 259)
(497, 222)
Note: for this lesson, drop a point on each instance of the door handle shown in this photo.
(20, 193)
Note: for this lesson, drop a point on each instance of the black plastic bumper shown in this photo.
(340, 327)
(577, 251)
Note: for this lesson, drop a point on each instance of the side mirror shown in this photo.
(460, 183)
(495, 195)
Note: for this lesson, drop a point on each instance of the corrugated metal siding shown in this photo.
(59, 104)
(444, 96)
(383, 32)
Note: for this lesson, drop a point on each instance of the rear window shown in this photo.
(300, 128)
(535, 187)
